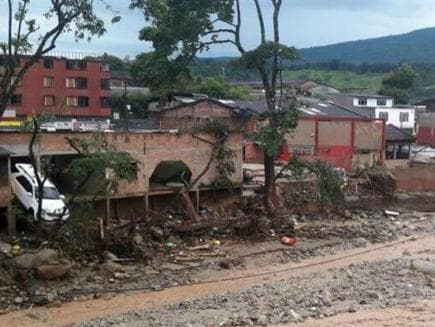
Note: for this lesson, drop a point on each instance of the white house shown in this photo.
(372, 101)
(399, 116)
(379, 106)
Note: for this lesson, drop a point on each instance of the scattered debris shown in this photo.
(290, 241)
(392, 213)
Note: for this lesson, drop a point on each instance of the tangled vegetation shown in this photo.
(329, 180)
(222, 156)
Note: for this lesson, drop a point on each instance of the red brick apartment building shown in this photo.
(68, 88)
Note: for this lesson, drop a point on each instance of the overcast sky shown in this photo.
(304, 23)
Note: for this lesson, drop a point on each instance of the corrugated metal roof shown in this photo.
(396, 134)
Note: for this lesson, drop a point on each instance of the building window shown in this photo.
(76, 83)
(71, 101)
(48, 81)
(70, 83)
(105, 102)
(81, 83)
(383, 115)
(83, 101)
(362, 102)
(104, 67)
(49, 100)
(48, 63)
(16, 99)
(105, 84)
(381, 102)
(76, 65)
(404, 117)
(80, 101)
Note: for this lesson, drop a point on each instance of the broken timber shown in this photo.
(191, 211)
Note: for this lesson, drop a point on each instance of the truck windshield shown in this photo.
(50, 193)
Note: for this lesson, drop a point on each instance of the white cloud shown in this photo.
(304, 23)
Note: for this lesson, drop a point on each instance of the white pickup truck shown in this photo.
(25, 188)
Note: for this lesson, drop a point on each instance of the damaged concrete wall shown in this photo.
(305, 134)
(344, 143)
(148, 149)
(368, 135)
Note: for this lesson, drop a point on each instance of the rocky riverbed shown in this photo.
(326, 293)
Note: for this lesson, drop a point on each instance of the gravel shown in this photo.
(326, 293)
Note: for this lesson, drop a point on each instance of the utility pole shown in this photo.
(223, 73)
(126, 107)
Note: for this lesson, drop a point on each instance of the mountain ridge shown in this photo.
(417, 46)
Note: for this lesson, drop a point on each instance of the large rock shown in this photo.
(30, 261)
(426, 267)
(112, 267)
(53, 271)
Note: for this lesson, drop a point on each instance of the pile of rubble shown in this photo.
(163, 250)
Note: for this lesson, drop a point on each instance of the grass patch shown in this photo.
(338, 79)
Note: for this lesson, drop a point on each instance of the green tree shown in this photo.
(219, 89)
(138, 103)
(399, 83)
(179, 30)
(159, 73)
(77, 16)
(114, 62)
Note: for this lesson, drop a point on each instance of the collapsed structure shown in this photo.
(148, 151)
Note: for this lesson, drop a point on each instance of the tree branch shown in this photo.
(276, 55)
(238, 28)
(221, 30)
(260, 21)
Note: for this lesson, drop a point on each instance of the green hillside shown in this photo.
(414, 47)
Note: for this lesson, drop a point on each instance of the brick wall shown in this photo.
(415, 178)
(33, 91)
(148, 149)
(188, 116)
(344, 143)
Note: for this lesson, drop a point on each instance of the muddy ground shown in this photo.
(317, 235)
(195, 259)
(323, 294)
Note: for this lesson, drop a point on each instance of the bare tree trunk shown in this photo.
(34, 161)
(269, 177)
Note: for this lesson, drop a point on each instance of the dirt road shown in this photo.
(235, 281)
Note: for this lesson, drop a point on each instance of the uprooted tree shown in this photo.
(27, 40)
(179, 30)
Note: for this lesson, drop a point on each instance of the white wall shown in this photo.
(373, 102)
(394, 116)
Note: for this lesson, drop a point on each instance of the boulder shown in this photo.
(24, 261)
(44, 257)
(53, 271)
(30, 261)
(112, 267)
